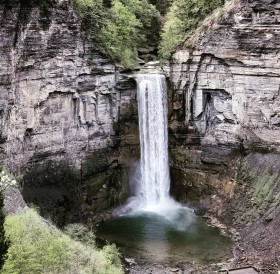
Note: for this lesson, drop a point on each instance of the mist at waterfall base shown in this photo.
(151, 225)
(179, 217)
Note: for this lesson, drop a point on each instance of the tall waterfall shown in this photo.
(153, 188)
(151, 181)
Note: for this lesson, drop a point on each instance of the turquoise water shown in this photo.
(178, 238)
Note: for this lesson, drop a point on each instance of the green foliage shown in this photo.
(120, 34)
(79, 232)
(162, 5)
(38, 247)
(3, 242)
(92, 14)
(182, 19)
(143, 10)
(120, 27)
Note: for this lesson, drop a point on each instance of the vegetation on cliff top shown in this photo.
(183, 17)
(123, 27)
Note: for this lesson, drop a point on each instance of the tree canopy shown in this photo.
(183, 17)
(37, 247)
(123, 28)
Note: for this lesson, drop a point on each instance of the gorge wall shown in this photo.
(225, 123)
(69, 125)
(68, 119)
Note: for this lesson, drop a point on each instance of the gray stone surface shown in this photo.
(58, 93)
(13, 201)
(224, 107)
(228, 84)
(68, 119)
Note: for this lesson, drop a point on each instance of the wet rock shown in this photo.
(130, 261)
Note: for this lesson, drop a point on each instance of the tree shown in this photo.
(183, 17)
(92, 14)
(36, 247)
(3, 241)
(121, 27)
(120, 34)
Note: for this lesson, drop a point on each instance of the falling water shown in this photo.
(151, 181)
(153, 188)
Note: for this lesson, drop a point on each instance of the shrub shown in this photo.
(38, 247)
(120, 34)
(79, 232)
(92, 14)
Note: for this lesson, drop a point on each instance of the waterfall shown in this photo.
(150, 181)
(153, 188)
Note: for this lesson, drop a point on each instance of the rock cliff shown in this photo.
(225, 123)
(68, 118)
(64, 108)
(227, 83)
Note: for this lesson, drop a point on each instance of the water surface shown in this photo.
(181, 237)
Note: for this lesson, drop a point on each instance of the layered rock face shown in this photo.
(227, 85)
(66, 115)
(224, 115)
(225, 98)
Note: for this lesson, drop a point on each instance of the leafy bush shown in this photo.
(79, 232)
(162, 5)
(92, 14)
(182, 19)
(120, 34)
(38, 247)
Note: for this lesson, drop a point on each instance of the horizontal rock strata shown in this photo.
(62, 103)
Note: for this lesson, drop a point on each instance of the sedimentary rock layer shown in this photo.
(58, 94)
(68, 119)
(225, 124)
(226, 80)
